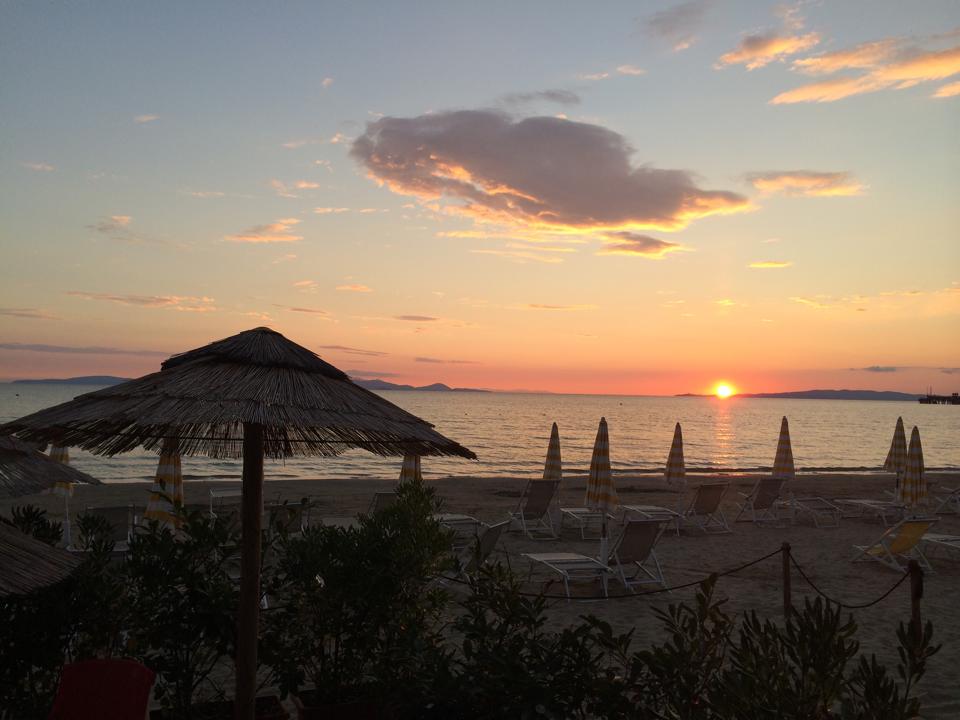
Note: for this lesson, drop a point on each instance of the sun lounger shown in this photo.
(937, 541)
(584, 519)
(949, 503)
(704, 511)
(823, 512)
(464, 528)
(571, 566)
(886, 511)
(635, 550)
(762, 503)
(652, 512)
(900, 541)
(381, 501)
(533, 510)
(483, 547)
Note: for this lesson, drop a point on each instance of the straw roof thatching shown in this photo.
(26, 564)
(202, 397)
(24, 470)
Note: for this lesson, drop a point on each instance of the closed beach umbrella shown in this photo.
(552, 467)
(897, 455)
(253, 395)
(410, 469)
(783, 462)
(676, 472)
(63, 488)
(601, 491)
(913, 489)
(167, 490)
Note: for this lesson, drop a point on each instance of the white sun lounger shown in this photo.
(704, 511)
(584, 519)
(936, 541)
(572, 566)
(886, 511)
(533, 510)
(652, 512)
(823, 512)
(762, 504)
(949, 503)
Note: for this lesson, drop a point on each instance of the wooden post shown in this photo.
(785, 556)
(916, 594)
(249, 611)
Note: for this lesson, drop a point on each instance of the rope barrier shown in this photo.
(846, 606)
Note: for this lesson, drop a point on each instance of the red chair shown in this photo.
(103, 690)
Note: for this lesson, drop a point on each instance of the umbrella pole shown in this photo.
(249, 614)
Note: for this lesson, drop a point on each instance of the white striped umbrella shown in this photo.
(913, 489)
(60, 454)
(167, 490)
(783, 462)
(896, 461)
(601, 491)
(410, 469)
(676, 472)
(552, 467)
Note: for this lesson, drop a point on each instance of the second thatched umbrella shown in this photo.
(251, 395)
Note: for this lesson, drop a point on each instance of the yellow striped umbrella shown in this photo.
(167, 490)
(601, 490)
(783, 462)
(913, 489)
(410, 469)
(60, 454)
(552, 468)
(897, 456)
(676, 472)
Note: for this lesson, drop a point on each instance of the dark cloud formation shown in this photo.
(185, 303)
(439, 361)
(415, 318)
(371, 374)
(27, 313)
(560, 97)
(628, 243)
(880, 369)
(679, 24)
(353, 351)
(538, 173)
(73, 350)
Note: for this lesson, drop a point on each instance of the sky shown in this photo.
(626, 197)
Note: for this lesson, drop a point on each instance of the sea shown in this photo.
(509, 433)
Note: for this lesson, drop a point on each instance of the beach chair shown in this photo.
(900, 541)
(464, 527)
(822, 512)
(635, 550)
(483, 547)
(584, 519)
(381, 501)
(533, 510)
(112, 689)
(703, 511)
(949, 503)
(653, 512)
(886, 511)
(937, 541)
(762, 503)
(572, 566)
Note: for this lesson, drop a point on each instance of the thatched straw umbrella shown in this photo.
(24, 470)
(252, 395)
(26, 564)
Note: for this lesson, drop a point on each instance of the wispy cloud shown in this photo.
(184, 303)
(207, 194)
(811, 302)
(305, 310)
(326, 82)
(553, 95)
(144, 119)
(539, 174)
(38, 166)
(806, 183)
(630, 70)
(310, 286)
(355, 287)
(27, 313)
(593, 76)
(770, 264)
(283, 258)
(628, 243)
(371, 374)
(726, 302)
(415, 318)
(286, 190)
(678, 25)
(519, 256)
(279, 231)
(439, 361)
(119, 227)
(353, 351)
(756, 51)
(543, 306)
(948, 90)
(879, 369)
(330, 210)
(80, 350)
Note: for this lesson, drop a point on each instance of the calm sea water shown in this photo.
(509, 434)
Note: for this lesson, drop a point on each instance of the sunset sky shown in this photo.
(637, 198)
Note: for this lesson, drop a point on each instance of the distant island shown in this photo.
(826, 395)
(377, 384)
(83, 380)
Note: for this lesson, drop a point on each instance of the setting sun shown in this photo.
(723, 390)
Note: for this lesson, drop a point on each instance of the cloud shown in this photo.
(118, 227)
(438, 361)
(679, 24)
(74, 350)
(806, 183)
(184, 303)
(811, 302)
(628, 243)
(326, 82)
(284, 190)
(726, 302)
(306, 185)
(561, 97)
(308, 311)
(879, 369)
(948, 90)
(519, 256)
(207, 194)
(756, 51)
(371, 374)
(593, 76)
(338, 139)
(542, 306)
(38, 166)
(275, 232)
(630, 70)
(330, 210)
(538, 173)
(143, 119)
(307, 285)
(354, 288)
(888, 64)
(415, 318)
(283, 258)
(770, 264)
(353, 351)
(27, 313)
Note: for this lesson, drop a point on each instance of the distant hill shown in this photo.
(84, 380)
(435, 387)
(827, 395)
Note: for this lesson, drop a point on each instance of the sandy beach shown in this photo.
(823, 553)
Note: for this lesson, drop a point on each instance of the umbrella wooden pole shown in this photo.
(249, 615)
